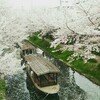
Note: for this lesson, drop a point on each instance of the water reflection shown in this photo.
(69, 89)
(16, 87)
(91, 89)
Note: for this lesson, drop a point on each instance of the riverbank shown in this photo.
(90, 69)
(2, 89)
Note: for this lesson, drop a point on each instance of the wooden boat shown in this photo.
(42, 73)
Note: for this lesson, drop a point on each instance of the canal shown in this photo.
(73, 86)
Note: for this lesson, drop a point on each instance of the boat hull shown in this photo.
(52, 90)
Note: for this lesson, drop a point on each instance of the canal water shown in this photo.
(73, 86)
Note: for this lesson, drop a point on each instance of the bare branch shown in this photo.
(86, 13)
(70, 28)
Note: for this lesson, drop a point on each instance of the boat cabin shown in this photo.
(27, 48)
(43, 72)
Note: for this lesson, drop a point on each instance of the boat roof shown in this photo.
(41, 65)
(25, 45)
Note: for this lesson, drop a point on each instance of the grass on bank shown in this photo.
(91, 69)
(2, 89)
(45, 45)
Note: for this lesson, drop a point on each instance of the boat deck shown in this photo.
(41, 65)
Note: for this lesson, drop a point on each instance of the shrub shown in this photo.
(96, 53)
(49, 36)
(37, 32)
(92, 60)
(34, 37)
(98, 66)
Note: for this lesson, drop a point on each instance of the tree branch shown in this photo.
(86, 13)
